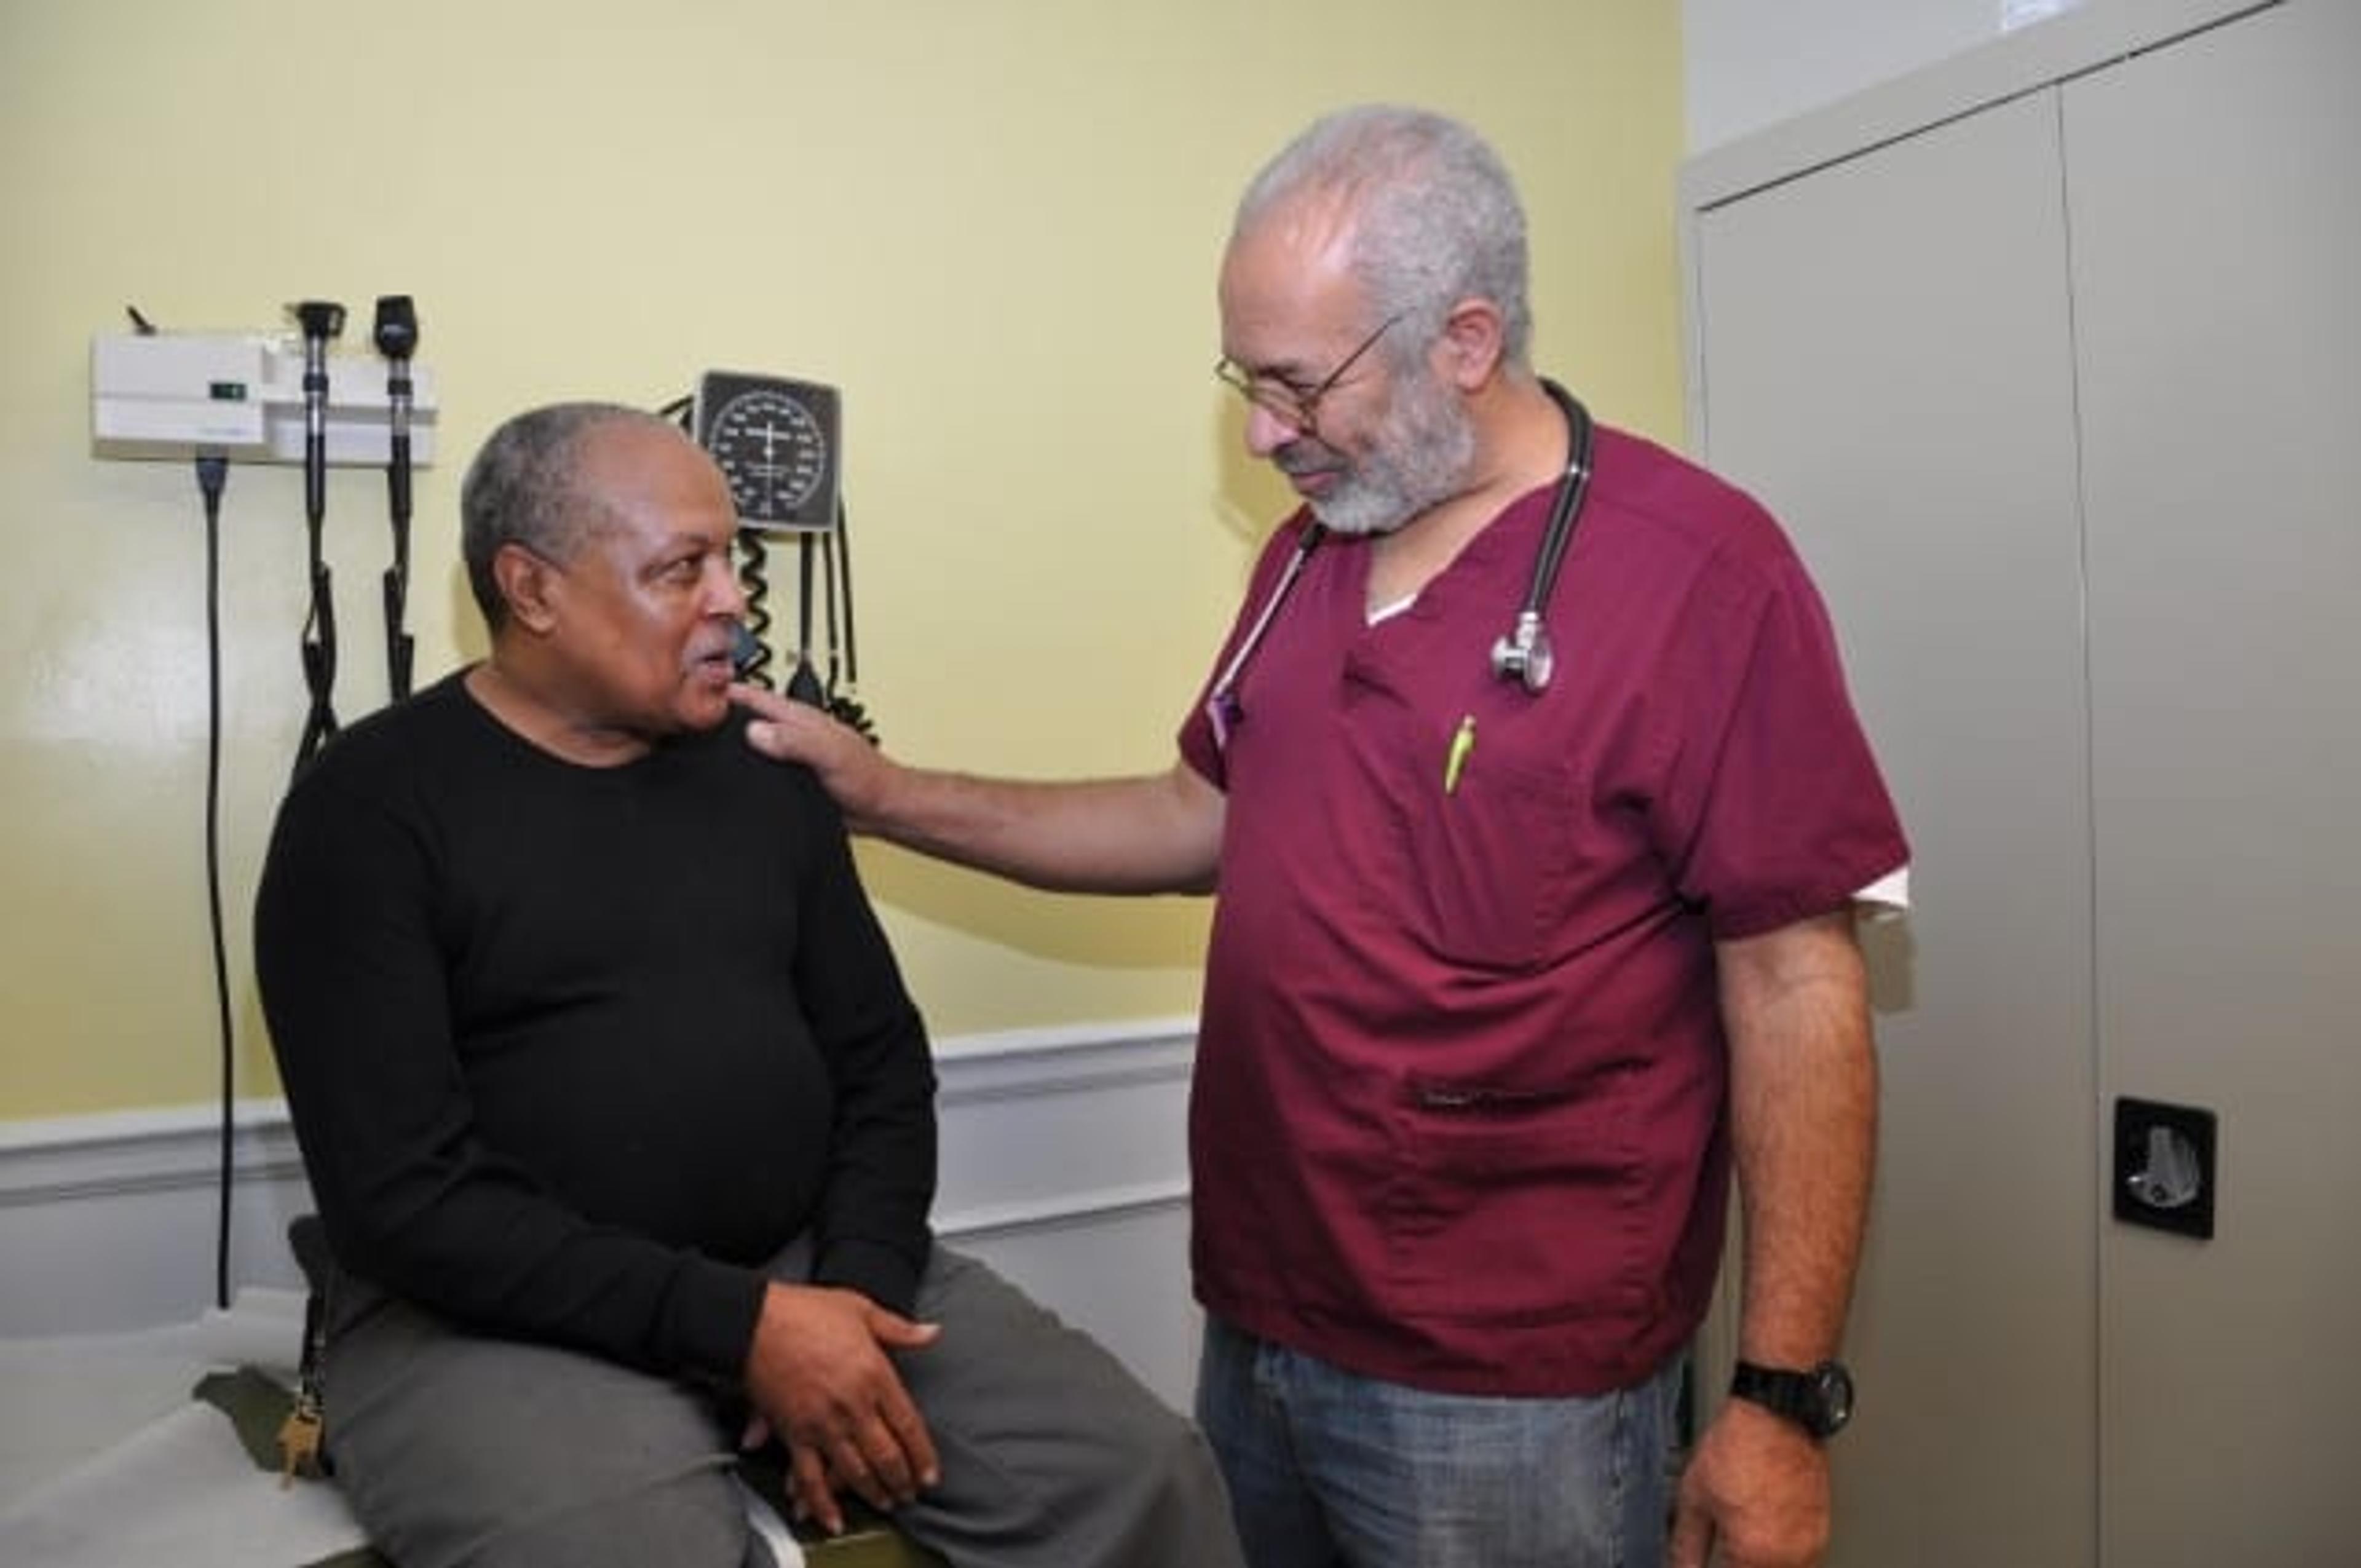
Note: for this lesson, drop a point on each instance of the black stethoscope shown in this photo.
(1524, 653)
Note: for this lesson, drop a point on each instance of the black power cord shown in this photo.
(213, 475)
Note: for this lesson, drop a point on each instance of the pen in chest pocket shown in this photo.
(1455, 760)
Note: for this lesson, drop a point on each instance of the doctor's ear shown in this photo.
(1468, 353)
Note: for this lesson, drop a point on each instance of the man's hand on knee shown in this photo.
(819, 1375)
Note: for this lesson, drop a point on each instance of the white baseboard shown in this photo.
(1064, 1165)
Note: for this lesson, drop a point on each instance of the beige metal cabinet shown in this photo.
(2049, 359)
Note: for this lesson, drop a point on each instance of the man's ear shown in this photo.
(524, 580)
(1468, 352)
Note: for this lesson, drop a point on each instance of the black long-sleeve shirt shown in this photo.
(571, 1050)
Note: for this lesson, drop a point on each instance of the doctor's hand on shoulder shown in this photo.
(849, 764)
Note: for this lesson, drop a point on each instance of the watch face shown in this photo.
(1834, 1391)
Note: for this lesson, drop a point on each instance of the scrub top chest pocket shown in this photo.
(1482, 823)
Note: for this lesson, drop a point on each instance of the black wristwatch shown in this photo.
(1819, 1400)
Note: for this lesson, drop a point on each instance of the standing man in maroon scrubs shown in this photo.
(1515, 956)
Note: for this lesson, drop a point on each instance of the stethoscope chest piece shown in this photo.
(1525, 655)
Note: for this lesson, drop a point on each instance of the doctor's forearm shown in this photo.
(1804, 1116)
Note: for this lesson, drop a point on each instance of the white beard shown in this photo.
(1424, 447)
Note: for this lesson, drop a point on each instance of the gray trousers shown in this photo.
(457, 1449)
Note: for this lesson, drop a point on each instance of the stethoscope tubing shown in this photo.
(1523, 655)
(1566, 507)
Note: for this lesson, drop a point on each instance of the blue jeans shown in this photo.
(1327, 1469)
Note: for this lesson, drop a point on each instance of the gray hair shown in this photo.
(1434, 216)
(520, 490)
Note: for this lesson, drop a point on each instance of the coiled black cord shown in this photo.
(754, 582)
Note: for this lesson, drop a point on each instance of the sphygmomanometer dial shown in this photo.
(771, 449)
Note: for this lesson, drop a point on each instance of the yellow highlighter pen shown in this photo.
(1454, 761)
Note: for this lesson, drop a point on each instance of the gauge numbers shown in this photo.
(774, 441)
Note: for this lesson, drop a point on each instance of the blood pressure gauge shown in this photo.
(775, 442)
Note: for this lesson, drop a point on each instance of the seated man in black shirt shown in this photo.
(617, 1116)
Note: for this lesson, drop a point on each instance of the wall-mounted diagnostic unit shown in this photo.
(214, 399)
(177, 394)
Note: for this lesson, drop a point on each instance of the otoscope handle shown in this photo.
(396, 480)
(395, 334)
(321, 320)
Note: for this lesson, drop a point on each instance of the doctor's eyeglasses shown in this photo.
(1297, 406)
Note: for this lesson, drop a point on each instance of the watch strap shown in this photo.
(1818, 1399)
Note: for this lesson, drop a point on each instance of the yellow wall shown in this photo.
(992, 222)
